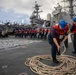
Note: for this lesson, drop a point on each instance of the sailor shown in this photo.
(45, 33)
(40, 33)
(73, 30)
(32, 32)
(27, 32)
(24, 32)
(20, 33)
(58, 33)
(35, 32)
(16, 32)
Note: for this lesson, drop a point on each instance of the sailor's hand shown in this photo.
(58, 47)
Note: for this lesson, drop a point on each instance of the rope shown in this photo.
(67, 67)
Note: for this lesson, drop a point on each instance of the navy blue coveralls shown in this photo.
(54, 49)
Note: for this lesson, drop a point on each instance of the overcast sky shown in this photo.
(21, 10)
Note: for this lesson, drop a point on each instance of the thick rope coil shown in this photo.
(67, 67)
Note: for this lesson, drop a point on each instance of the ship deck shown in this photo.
(12, 59)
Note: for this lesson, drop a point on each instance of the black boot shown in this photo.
(55, 61)
(58, 53)
(74, 52)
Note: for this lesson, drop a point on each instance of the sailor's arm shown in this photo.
(54, 34)
(55, 41)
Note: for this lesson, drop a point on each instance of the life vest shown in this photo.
(60, 32)
(40, 30)
(74, 31)
(33, 31)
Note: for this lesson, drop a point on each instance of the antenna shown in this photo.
(35, 17)
(71, 7)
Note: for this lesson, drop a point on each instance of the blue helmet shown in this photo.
(62, 23)
(74, 19)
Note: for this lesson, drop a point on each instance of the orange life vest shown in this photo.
(61, 32)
